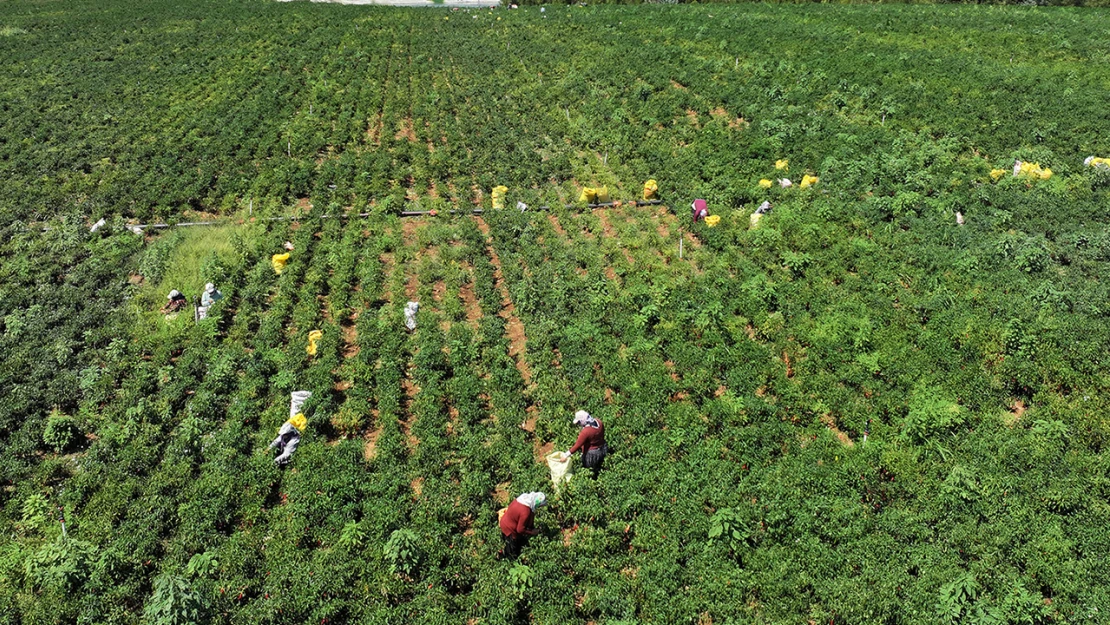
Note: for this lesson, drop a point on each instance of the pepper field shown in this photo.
(738, 375)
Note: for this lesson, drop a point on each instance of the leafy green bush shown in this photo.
(729, 526)
(62, 432)
(402, 551)
(174, 603)
(930, 415)
(521, 579)
(60, 565)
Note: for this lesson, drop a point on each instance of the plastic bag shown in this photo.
(603, 195)
(959, 218)
(996, 174)
(1095, 161)
(589, 195)
(279, 261)
(560, 470)
(298, 421)
(499, 196)
(765, 183)
(755, 220)
(296, 401)
(410, 315)
(785, 182)
(313, 336)
(650, 189)
(783, 164)
(808, 180)
(712, 220)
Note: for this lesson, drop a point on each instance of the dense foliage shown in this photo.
(858, 412)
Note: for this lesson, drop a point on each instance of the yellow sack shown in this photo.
(298, 421)
(712, 220)
(278, 261)
(996, 174)
(499, 196)
(1031, 170)
(589, 195)
(603, 195)
(755, 220)
(765, 183)
(808, 180)
(313, 336)
(783, 164)
(1095, 161)
(650, 188)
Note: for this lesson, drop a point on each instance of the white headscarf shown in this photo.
(208, 288)
(583, 418)
(533, 500)
(174, 293)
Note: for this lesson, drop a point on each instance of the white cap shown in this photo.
(174, 293)
(580, 417)
(208, 288)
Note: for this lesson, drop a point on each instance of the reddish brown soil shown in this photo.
(556, 225)
(830, 423)
(514, 329)
(370, 449)
(406, 131)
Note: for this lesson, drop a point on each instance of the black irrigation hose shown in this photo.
(477, 211)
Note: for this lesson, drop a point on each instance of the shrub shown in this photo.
(62, 432)
(62, 565)
(521, 579)
(401, 551)
(174, 603)
(930, 415)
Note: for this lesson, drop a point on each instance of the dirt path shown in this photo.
(349, 332)
(387, 261)
(411, 390)
(606, 227)
(470, 300)
(370, 448)
(514, 329)
(557, 226)
(830, 422)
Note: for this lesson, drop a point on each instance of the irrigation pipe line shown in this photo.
(478, 211)
(139, 228)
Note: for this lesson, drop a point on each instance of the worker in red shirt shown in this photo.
(591, 440)
(700, 210)
(517, 522)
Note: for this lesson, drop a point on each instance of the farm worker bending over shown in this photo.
(517, 522)
(210, 295)
(591, 440)
(176, 302)
(701, 210)
(288, 437)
